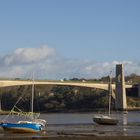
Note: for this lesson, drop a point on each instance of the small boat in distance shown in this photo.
(106, 119)
(32, 125)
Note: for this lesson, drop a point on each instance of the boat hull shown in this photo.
(22, 128)
(105, 121)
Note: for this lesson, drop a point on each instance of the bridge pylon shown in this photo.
(120, 102)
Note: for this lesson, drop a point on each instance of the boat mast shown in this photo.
(110, 93)
(0, 99)
(32, 101)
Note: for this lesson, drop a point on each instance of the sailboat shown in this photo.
(106, 119)
(33, 125)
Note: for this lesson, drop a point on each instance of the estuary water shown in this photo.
(82, 124)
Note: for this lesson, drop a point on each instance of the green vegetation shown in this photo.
(133, 102)
(55, 98)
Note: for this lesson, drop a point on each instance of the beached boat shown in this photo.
(33, 125)
(22, 127)
(106, 119)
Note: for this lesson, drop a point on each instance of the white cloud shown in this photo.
(47, 64)
(28, 55)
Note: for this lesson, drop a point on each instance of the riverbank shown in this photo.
(2, 112)
(133, 109)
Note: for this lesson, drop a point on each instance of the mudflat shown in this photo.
(77, 138)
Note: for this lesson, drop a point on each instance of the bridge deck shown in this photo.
(104, 86)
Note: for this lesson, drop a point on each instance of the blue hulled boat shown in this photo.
(30, 124)
(23, 127)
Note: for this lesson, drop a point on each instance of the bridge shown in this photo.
(103, 86)
(119, 87)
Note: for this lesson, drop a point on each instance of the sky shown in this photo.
(59, 39)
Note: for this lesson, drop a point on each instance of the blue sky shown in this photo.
(85, 38)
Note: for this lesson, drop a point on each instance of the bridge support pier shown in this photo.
(120, 102)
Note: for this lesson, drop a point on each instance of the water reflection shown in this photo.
(125, 119)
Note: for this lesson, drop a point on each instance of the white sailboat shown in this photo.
(106, 119)
(33, 125)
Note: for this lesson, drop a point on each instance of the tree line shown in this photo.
(54, 98)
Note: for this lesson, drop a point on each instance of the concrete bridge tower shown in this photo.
(120, 102)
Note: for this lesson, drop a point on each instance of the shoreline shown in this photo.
(2, 112)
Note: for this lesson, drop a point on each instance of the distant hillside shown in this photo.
(55, 98)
